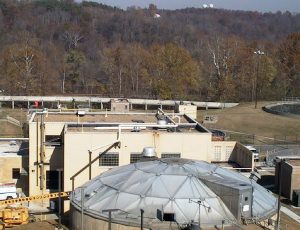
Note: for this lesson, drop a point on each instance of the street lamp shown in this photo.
(110, 211)
(200, 202)
(109, 215)
(259, 53)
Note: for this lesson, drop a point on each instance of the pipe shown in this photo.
(142, 219)
(59, 197)
(90, 165)
(82, 203)
(42, 153)
(179, 119)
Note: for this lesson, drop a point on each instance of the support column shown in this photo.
(146, 106)
(12, 104)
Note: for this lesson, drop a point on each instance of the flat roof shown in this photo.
(105, 117)
(139, 128)
(129, 122)
(294, 162)
(13, 148)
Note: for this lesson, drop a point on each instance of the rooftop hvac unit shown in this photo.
(162, 122)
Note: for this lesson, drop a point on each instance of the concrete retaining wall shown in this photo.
(242, 156)
(83, 99)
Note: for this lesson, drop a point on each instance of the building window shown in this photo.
(229, 150)
(109, 159)
(53, 140)
(218, 153)
(52, 180)
(16, 173)
(135, 157)
(170, 155)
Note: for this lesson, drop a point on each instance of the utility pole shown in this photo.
(259, 53)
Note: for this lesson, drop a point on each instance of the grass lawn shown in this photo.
(10, 130)
(243, 118)
(246, 119)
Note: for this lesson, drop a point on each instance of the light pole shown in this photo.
(259, 53)
(200, 202)
(109, 215)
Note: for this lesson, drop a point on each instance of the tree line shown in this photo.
(62, 47)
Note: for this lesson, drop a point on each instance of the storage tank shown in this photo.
(171, 192)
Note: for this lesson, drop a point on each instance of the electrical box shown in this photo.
(296, 198)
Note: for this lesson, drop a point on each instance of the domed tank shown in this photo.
(177, 191)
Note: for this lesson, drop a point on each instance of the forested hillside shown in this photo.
(61, 47)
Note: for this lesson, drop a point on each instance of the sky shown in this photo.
(253, 5)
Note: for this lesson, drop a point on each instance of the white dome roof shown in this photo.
(173, 186)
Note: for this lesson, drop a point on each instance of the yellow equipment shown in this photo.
(33, 198)
(13, 216)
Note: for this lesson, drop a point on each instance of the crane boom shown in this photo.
(34, 198)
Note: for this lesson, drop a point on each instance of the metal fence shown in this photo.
(252, 139)
(271, 155)
(291, 99)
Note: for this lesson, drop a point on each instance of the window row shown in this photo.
(112, 159)
(109, 159)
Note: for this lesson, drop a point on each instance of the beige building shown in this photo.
(119, 105)
(14, 164)
(69, 141)
(186, 108)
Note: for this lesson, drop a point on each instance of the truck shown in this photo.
(8, 191)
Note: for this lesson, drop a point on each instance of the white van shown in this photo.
(254, 151)
(8, 191)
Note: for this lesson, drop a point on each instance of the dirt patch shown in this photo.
(45, 225)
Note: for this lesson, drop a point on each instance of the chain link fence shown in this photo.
(271, 155)
(252, 139)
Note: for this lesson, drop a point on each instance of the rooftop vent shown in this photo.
(162, 122)
(148, 152)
